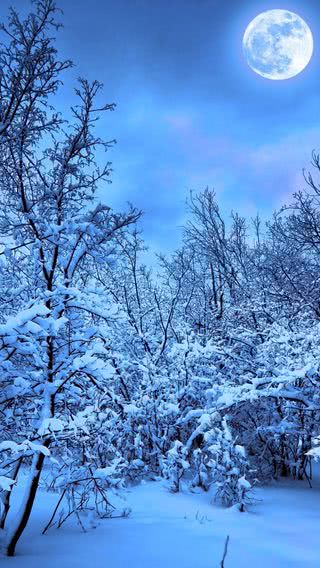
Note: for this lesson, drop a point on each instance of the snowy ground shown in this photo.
(183, 531)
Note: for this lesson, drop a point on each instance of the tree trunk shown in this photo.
(26, 508)
(7, 497)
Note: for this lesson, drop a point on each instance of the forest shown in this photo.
(202, 370)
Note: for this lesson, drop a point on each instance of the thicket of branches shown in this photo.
(207, 374)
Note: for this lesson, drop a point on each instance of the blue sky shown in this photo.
(190, 113)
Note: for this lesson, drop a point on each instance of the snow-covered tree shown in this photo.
(54, 351)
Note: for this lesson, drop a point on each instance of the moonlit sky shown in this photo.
(190, 112)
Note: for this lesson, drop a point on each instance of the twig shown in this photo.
(54, 512)
(225, 552)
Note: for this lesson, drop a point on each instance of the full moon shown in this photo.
(278, 44)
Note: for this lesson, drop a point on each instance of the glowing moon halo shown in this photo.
(278, 44)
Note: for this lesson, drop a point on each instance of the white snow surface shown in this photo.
(182, 530)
